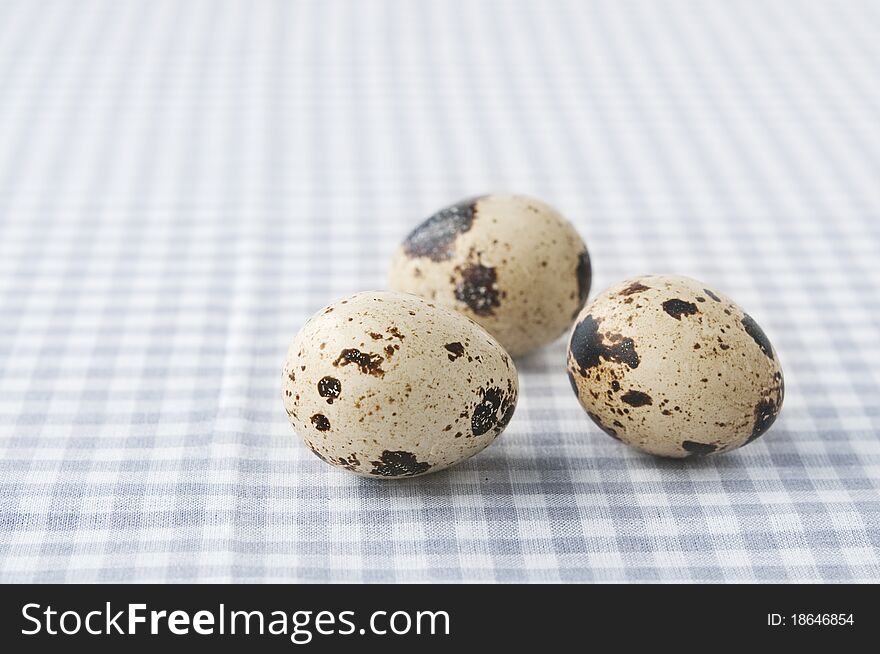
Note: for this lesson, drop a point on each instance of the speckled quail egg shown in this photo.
(387, 384)
(511, 263)
(673, 368)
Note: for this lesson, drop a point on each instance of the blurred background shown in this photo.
(183, 183)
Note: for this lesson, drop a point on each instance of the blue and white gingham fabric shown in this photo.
(183, 183)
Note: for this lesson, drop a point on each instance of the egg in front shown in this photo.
(389, 385)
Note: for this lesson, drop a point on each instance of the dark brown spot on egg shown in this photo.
(349, 463)
(678, 308)
(367, 363)
(698, 449)
(330, 388)
(584, 278)
(635, 287)
(493, 401)
(571, 380)
(636, 398)
(478, 289)
(711, 295)
(505, 417)
(435, 237)
(455, 350)
(398, 464)
(319, 420)
(765, 415)
(588, 347)
(395, 333)
(754, 330)
(608, 430)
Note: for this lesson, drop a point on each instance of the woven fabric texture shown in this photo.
(183, 183)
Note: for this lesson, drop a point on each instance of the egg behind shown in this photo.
(671, 367)
(513, 264)
(387, 384)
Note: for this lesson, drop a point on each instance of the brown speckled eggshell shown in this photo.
(511, 263)
(671, 367)
(389, 385)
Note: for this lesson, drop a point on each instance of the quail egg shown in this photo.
(671, 367)
(511, 263)
(390, 385)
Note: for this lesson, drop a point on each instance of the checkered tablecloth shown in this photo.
(183, 183)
